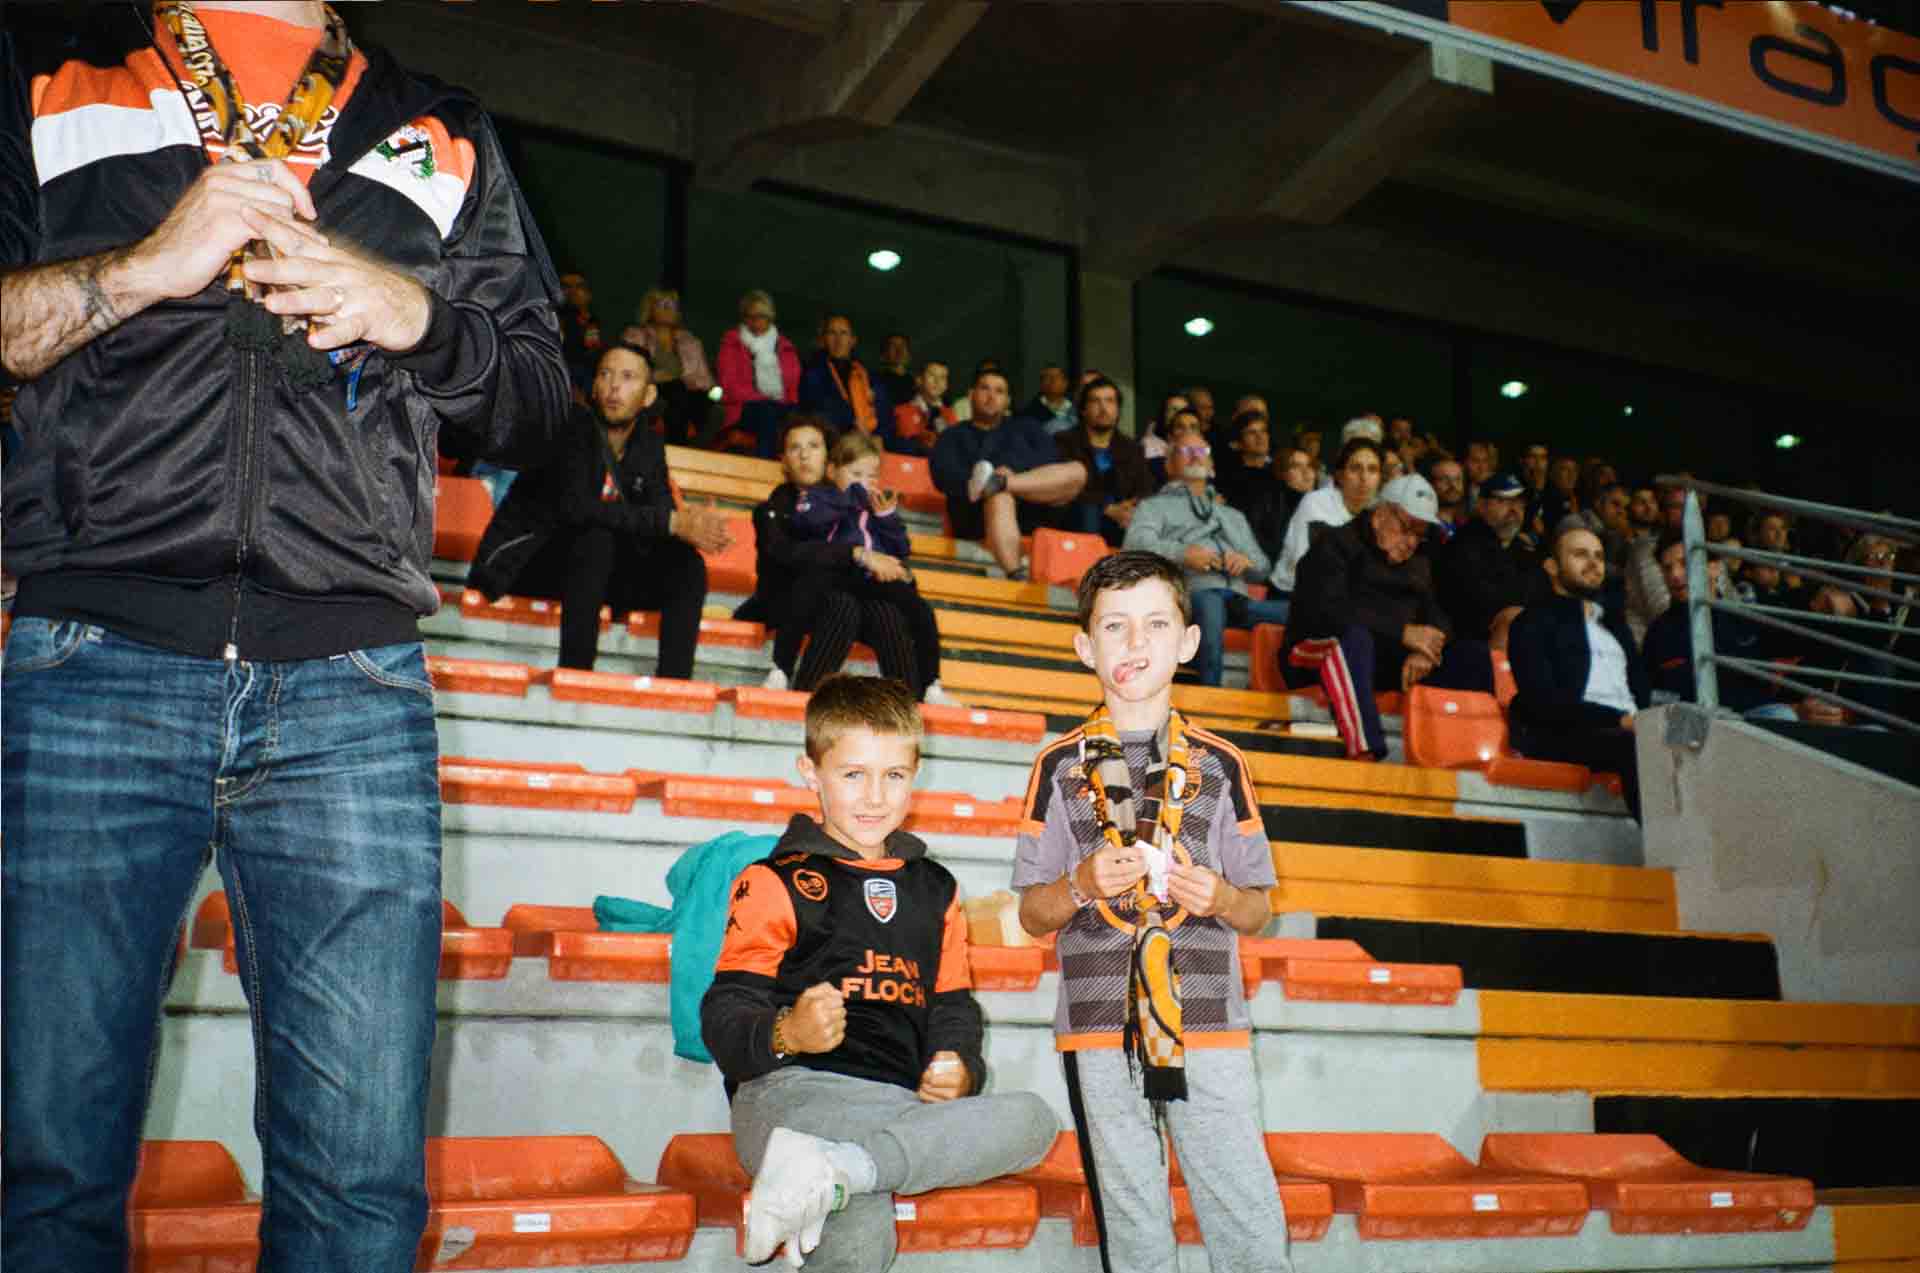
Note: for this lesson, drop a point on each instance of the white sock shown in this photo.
(855, 1163)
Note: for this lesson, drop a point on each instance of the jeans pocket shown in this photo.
(400, 667)
(34, 645)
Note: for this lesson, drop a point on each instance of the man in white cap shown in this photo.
(1365, 613)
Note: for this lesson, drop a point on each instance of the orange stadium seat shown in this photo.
(533, 924)
(659, 693)
(1005, 967)
(570, 940)
(1645, 1187)
(995, 1215)
(529, 1201)
(537, 611)
(478, 676)
(910, 476)
(190, 1210)
(1061, 557)
(739, 633)
(1416, 1185)
(466, 953)
(1367, 981)
(1263, 664)
(735, 569)
(462, 507)
(1453, 729)
(544, 787)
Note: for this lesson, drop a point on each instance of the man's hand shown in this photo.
(1201, 557)
(1626, 722)
(704, 526)
(945, 1078)
(1120, 512)
(1818, 711)
(344, 295)
(882, 502)
(1425, 639)
(1414, 670)
(1200, 891)
(818, 1021)
(1833, 601)
(883, 566)
(225, 208)
(1236, 564)
(1111, 871)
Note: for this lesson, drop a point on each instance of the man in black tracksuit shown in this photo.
(597, 526)
(1365, 614)
(239, 354)
(1490, 569)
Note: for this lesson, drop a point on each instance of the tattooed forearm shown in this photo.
(48, 311)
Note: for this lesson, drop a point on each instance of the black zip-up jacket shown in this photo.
(1345, 579)
(173, 488)
(565, 495)
(780, 560)
(889, 934)
(1547, 646)
(1478, 578)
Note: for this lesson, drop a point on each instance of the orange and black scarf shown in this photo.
(1152, 1037)
(249, 325)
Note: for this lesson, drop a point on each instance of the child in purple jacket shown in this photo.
(851, 508)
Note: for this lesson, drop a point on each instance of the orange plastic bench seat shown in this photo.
(1454, 729)
(1540, 775)
(466, 953)
(976, 722)
(541, 1201)
(658, 693)
(533, 925)
(764, 704)
(956, 813)
(766, 800)
(738, 633)
(190, 1210)
(1416, 1185)
(1365, 981)
(1646, 1187)
(462, 507)
(479, 676)
(1005, 967)
(1273, 952)
(1263, 662)
(551, 788)
(912, 478)
(531, 766)
(1062, 557)
(734, 570)
(536, 611)
(1061, 1184)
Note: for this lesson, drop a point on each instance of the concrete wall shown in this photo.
(1768, 835)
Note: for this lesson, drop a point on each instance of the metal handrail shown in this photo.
(1702, 605)
(1903, 529)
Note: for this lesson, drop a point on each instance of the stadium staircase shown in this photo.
(1484, 1040)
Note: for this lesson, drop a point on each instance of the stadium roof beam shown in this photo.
(857, 79)
(1419, 101)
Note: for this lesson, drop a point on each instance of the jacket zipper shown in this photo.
(250, 394)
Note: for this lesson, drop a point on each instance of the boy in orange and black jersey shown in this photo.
(842, 1014)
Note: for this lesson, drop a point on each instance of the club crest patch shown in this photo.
(411, 145)
(811, 885)
(883, 899)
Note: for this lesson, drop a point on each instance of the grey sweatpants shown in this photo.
(915, 1146)
(1223, 1160)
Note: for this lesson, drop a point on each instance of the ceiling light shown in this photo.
(1513, 389)
(884, 260)
(1199, 325)
(1787, 441)
(1626, 410)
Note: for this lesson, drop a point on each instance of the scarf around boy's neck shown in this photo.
(1152, 1037)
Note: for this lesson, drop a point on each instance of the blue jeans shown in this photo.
(128, 767)
(1216, 610)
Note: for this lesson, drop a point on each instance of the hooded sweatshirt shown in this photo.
(888, 933)
(1176, 519)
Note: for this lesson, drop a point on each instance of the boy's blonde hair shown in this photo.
(851, 447)
(845, 703)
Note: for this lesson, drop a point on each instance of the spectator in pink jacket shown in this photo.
(759, 378)
(679, 362)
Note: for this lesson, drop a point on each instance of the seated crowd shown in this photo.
(1393, 565)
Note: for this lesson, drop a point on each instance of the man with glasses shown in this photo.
(1211, 541)
(1365, 613)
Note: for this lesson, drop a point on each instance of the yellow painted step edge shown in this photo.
(1716, 1069)
(1295, 860)
(1533, 1014)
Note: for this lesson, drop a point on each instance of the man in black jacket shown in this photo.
(240, 352)
(1117, 474)
(1578, 680)
(597, 526)
(1364, 613)
(1491, 569)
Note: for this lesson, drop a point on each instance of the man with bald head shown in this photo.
(1579, 682)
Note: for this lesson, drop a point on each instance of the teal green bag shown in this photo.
(701, 884)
